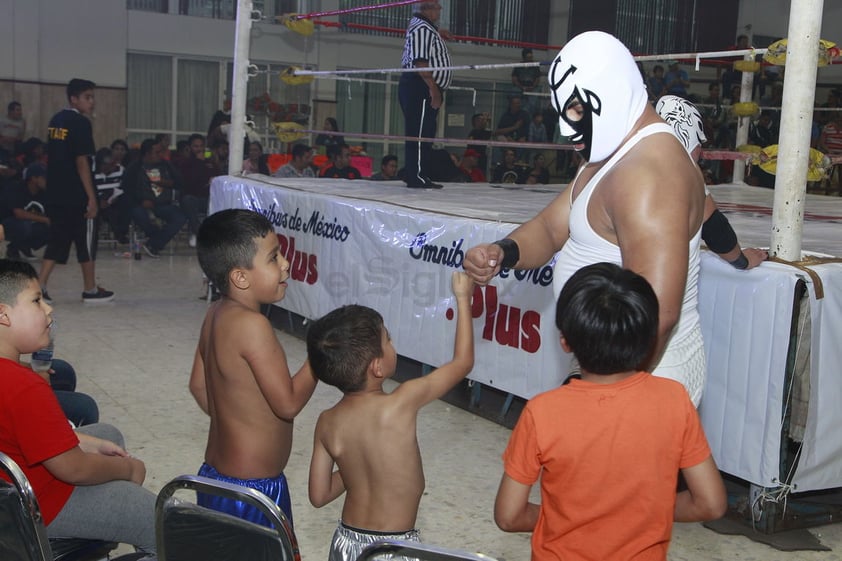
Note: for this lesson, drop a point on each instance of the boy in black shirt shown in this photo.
(22, 213)
(71, 199)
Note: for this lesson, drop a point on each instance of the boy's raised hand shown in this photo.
(461, 284)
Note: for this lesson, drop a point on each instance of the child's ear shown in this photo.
(565, 347)
(238, 278)
(376, 368)
(4, 316)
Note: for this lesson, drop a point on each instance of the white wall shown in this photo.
(52, 41)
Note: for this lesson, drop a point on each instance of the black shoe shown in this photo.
(153, 253)
(28, 255)
(417, 184)
(101, 295)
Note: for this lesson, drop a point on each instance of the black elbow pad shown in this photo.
(718, 234)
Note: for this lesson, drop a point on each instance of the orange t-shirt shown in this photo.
(608, 458)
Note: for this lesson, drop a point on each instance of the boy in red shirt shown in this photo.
(608, 447)
(87, 487)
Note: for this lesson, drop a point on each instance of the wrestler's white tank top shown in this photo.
(585, 246)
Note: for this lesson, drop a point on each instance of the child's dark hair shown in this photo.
(226, 240)
(343, 343)
(78, 86)
(609, 318)
(14, 275)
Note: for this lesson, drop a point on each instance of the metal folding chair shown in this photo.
(186, 531)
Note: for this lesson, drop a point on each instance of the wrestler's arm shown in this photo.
(537, 241)
(651, 227)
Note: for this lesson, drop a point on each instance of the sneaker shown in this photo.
(46, 297)
(192, 241)
(153, 253)
(101, 295)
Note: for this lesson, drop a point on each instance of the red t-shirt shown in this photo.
(608, 458)
(33, 428)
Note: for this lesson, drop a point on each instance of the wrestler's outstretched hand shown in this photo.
(482, 262)
(755, 256)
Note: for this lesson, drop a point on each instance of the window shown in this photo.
(659, 26)
(218, 9)
(513, 20)
(160, 6)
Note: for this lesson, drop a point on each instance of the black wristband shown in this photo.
(740, 262)
(511, 252)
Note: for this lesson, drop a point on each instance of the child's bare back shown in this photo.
(370, 435)
(243, 366)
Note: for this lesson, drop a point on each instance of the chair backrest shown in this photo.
(413, 550)
(186, 531)
(23, 536)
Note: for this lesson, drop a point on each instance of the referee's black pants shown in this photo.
(419, 121)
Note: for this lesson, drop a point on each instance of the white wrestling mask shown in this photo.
(598, 92)
(685, 120)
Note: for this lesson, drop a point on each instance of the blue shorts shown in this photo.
(273, 487)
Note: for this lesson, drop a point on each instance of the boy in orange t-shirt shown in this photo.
(608, 447)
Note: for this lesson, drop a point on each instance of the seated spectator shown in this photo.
(341, 167)
(79, 408)
(507, 171)
(655, 85)
(219, 157)
(10, 168)
(537, 131)
(182, 150)
(256, 161)
(31, 151)
(85, 482)
(676, 80)
(479, 131)
(108, 177)
(388, 169)
(12, 127)
(163, 140)
(299, 165)
(149, 184)
(470, 166)
(22, 210)
(539, 172)
(327, 140)
(119, 151)
(196, 173)
(761, 133)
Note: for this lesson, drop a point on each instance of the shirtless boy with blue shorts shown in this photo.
(240, 376)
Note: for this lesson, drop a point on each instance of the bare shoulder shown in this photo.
(238, 322)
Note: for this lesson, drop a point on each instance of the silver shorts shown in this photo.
(348, 542)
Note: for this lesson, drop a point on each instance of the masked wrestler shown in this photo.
(717, 232)
(637, 200)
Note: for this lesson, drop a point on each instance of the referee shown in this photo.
(420, 93)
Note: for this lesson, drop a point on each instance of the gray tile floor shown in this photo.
(134, 355)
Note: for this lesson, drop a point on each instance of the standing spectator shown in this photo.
(196, 174)
(388, 169)
(527, 79)
(676, 80)
(71, 199)
(421, 93)
(328, 140)
(514, 123)
(149, 184)
(300, 164)
(256, 161)
(25, 223)
(655, 85)
(12, 127)
(715, 116)
(470, 166)
(341, 168)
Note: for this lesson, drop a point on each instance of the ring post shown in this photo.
(805, 21)
(239, 82)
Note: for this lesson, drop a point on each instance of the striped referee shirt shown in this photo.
(423, 42)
